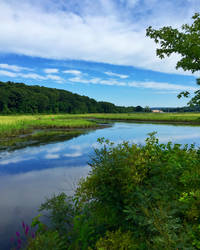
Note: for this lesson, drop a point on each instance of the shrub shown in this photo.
(135, 197)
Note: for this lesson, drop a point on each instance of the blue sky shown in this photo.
(95, 48)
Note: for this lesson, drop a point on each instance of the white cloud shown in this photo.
(72, 72)
(7, 73)
(97, 81)
(101, 32)
(112, 82)
(162, 86)
(82, 80)
(51, 71)
(117, 75)
(76, 154)
(31, 76)
(54, 77)
(55, 149)
(52, 156)
(22, 75)
(15, 159)
(13, 67)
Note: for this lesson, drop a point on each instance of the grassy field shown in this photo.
(193, 118)
(18, 124)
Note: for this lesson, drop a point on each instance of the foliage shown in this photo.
(135, 197)
(47, 241)
(61, 212)
(20, 98)
(52, 237)
(193, 108)
(186, 43)
(116, 241)
(21, 238)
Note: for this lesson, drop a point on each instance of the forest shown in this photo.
(20, 98)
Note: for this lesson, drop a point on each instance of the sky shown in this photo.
(95, 48)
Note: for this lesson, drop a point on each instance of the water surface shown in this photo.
(30, 174)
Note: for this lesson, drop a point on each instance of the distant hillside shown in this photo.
(21, 98)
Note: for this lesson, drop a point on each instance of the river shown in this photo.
(30, 174)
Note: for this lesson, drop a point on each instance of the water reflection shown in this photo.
(39, 137)
(30, 174)
(26, 191)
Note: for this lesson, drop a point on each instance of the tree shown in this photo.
(138, 109)
(185, 43)
(147, 109)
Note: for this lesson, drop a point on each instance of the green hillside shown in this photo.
(21, 98)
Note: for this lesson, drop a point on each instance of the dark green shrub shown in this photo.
(116, 241)
(136, 197)
(49, 240)
(139, 188)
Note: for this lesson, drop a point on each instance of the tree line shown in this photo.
(185, 109)
(21, 98)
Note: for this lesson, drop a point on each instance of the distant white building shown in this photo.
(157, 111)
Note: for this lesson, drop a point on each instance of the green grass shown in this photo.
(167, 117)
(19, 124)
(38, 137)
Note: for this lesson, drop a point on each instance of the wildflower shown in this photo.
(27, 229)
(17, 234)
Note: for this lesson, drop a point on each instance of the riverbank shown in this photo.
(187, 118)
(14, 125)
(23, 124)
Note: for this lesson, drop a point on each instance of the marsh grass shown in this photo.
(20, 124)
(171, 117)
(38, 138)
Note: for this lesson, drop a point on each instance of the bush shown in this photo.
(137, 197)
(116, 241)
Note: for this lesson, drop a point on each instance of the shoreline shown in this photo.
(150, 121)
(13, 126)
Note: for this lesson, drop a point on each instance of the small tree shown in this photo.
(147, 109)
(186, 43)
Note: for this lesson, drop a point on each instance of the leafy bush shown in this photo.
(135, 197)
(116, 241)
(47, 241)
